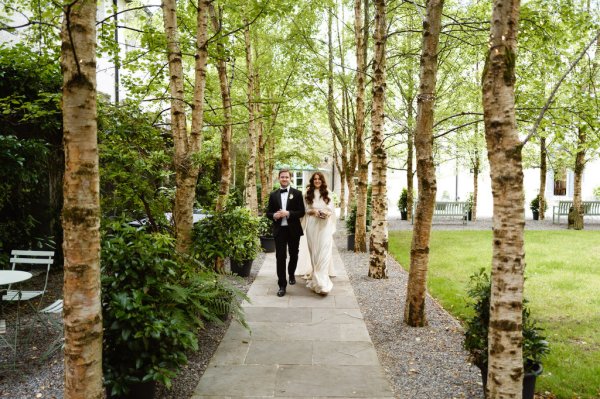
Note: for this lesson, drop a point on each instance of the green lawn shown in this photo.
(562, 285)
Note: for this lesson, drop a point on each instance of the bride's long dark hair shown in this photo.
(310, 192)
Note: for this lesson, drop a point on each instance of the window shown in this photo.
(298, 180)
(560, 182)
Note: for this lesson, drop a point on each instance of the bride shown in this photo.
(319, 226)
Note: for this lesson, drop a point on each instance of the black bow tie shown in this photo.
(283, 190)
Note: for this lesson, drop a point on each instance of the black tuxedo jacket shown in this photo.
(295, 205)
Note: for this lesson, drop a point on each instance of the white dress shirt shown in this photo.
(284, 198)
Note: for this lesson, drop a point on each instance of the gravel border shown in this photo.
(420, 362)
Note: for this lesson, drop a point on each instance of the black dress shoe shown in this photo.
(292, 280)
(281, 292)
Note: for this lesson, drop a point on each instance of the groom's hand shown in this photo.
(281, 214)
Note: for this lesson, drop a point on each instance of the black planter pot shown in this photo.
(403, 215)
(138, 390)
(528, 379)
(242, 269)
(469, 215)
(267, 244)
(351, 242)
(536, 215)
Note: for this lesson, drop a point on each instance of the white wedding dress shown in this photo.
(315, 263)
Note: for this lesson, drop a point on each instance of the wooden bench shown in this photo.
(590, 208)
(447, 209)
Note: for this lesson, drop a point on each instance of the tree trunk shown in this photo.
(337, 164)
(250, 189)
(350, 170)
(360, 237)
(576, 214)
(339, 134)
(505, 355)
(543, 171)
(186, 148)
(271, 160)
(414, 311)
(226, 130)
(409, 156)
(378, 243)
(475, 186)
(81, 210)
(330, 104)
(262, 167)
(178, 119)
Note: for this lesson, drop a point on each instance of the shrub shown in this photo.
(153, 306)
(470, 201)
(535, 346)
(403, 200)
(265, 227)
(351, 219)
(136, 172)
(229, 234)
(534, 205)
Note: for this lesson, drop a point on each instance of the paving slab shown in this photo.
(301, 346)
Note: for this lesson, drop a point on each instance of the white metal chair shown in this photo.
(35, 260)
(53, 313)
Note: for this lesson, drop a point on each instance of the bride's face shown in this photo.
(317, 181)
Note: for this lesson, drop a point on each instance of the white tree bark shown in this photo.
(81, 209)
(505, 355)
(378, 244)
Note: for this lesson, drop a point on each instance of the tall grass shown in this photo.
(562, 285)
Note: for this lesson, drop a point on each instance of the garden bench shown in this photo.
(590, 208)
(448, 209)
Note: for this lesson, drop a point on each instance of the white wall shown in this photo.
(447, 186)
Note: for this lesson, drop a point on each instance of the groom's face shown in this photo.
(284, 179)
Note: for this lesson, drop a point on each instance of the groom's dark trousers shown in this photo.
(287, 238)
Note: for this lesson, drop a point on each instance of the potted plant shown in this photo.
(265, 232)
(230, 234)
(535, 346)
(469, 207)
(350, 228)
(534, 205)
(244, 245)
(153, 305)
(351, 225)
(403, 204)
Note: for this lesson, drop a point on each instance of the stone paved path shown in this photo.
(301, 346)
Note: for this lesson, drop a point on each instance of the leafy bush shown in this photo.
(470, 201)
(534, 205)
(136, 159)
(23, 193)
(403, 200)
(535, 346)
(31, 155)
(229, 234)
(153, 306)
(351, 219)
(265, 227)
(597, 192)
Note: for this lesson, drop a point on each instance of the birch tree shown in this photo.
(187, 147)
(81, 209)
(414, 311)
(250, 186)
(227, 122)
(360, 35)
(505, 355)
(378, 244)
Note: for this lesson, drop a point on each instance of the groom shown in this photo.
(286, 207)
